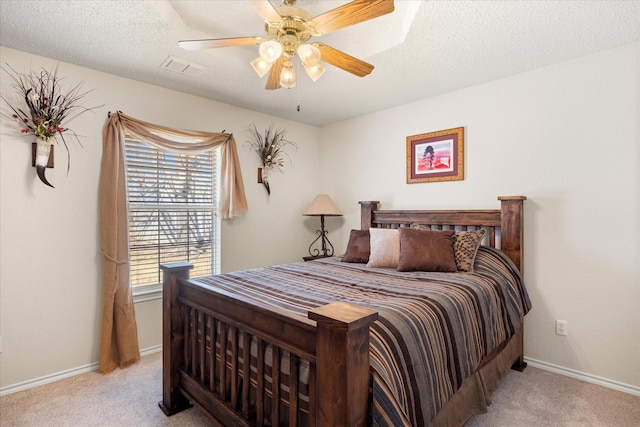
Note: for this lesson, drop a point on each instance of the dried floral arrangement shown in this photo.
(270, 147)
(47, 108)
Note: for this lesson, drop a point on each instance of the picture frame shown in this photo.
(436, 156)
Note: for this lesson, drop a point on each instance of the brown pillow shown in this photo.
(358, 247)
(426, 250)
(465, 248)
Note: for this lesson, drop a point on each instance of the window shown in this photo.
(172, 213)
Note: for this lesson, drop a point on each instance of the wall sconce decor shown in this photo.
(41, 158)
(322, 206)
(46, 111)
(271, 149)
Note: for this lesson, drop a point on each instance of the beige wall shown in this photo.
(566, 136)
(50, 266)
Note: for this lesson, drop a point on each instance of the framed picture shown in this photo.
(436, 156)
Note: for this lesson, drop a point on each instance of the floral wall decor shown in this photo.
(43, 110)
(270, 147)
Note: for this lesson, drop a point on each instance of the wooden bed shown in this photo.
(332, 342)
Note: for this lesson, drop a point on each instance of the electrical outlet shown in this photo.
(561, 327)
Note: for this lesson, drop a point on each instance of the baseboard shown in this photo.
(64, 374)
(626, 388)
(150, 350)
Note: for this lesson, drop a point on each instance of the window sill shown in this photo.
(143, 293)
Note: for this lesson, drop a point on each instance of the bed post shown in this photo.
(172, 336)
(342, 364)
(511, 228)
(366, 213)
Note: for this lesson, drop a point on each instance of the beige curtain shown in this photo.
(119, 336)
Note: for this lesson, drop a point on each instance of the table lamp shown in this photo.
(322, 206)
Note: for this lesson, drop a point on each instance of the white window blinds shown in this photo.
(172, 211)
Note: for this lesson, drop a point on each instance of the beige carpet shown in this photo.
(130, 398)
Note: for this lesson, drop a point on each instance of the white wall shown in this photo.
(566, 136)
(50, 265)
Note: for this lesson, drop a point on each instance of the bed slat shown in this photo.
(189, 333)
(246, 373)
(223, 365)
(212, 353)
(234, 367)
(294, 369)
(260, 383)
(275, 386)
(201, 346)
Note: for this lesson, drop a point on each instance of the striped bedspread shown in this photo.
(433, 328)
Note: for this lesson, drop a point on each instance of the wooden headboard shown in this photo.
(504, 226)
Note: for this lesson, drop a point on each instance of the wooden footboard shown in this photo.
(208, 335)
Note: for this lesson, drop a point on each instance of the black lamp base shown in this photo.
(327, 247)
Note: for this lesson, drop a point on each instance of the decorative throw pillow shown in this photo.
(426, 250)
(358, 247)
(384, 247)
(465, 248)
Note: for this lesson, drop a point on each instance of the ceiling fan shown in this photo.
(288, 28)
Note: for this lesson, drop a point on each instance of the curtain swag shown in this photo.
(119, 337)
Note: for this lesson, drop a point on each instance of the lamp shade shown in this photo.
(260, 66)
(270, 50)
(288, 76)
(309, 54)
(322, 205)
(314, 71)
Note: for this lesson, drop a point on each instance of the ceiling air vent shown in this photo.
(183, 67)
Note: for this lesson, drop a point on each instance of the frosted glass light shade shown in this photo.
(314, 71)
(270, 50)
(260, 66)
(288, 77)
(309, 54)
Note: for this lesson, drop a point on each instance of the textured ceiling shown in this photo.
(422, 49)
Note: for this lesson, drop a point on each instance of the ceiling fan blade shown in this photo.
(214, 43)
(266, 10)
(342, 60)
(273, 81)
(351, 13)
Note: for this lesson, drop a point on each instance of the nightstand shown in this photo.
(311, 258)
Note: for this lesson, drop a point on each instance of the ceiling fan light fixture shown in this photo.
(288, 76)
(260, 66)
(288, 30)
(314, 71)
(270, 50)
(309, 54)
